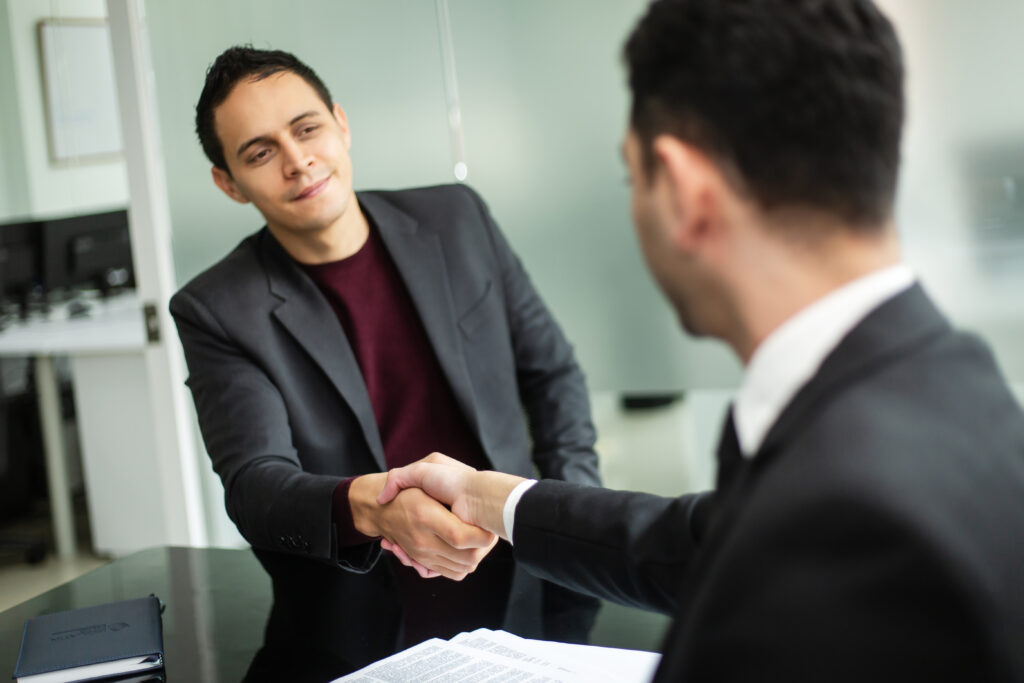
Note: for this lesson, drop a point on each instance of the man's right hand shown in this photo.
(475, 497)
(438, 542)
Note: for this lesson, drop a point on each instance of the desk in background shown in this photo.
(105, 348)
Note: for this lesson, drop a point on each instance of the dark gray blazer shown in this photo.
(878, 534)
(285, 414)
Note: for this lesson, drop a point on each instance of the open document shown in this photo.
(499, 657)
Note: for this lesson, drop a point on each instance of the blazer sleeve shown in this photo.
(551, 384)
(273, 502)
(632, 548)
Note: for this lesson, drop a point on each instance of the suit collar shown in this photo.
(892, 330)
(793, 352)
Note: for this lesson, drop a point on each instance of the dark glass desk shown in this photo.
(217, 605)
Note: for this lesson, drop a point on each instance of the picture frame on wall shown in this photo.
(80, 92)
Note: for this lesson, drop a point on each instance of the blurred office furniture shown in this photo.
(19, 268)
(649, 401)
(89, 252)
(81, 306)
(20, 451)
(108, 377)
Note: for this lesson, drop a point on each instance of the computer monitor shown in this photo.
(19, 262)
(86, 252)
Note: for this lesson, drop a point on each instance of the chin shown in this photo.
(687, 318)
(326, 217)
(690, 327)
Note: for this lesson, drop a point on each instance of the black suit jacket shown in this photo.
(878, 533)
(285, 414)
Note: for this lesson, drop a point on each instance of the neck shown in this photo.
(782, 278)
(337, 241)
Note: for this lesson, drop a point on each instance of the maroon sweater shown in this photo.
(416, 414)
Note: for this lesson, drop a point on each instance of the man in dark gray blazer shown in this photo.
(356, 332)
(868, 518)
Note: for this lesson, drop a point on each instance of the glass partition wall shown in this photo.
(543, 109)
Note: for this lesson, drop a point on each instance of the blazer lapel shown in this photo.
(420, 261)
(307, 316)
(896, 327)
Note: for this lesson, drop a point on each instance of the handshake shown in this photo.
(439, 516)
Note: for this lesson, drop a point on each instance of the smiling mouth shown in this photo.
(313, 190)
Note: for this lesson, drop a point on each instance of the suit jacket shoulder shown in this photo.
(243, 271)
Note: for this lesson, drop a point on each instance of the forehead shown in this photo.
(259, 107)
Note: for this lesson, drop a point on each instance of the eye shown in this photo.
(261, 155)
(308, 129)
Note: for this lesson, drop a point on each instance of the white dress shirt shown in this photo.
(787, 359)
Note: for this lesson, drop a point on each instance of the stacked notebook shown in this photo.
(115, 639)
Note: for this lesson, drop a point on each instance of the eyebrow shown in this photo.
(263, 138)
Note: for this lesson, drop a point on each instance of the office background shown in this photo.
(542, 108)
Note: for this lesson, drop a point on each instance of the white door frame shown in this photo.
(174, 449)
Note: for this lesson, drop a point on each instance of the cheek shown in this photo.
(331, 147)
(261, 183)
(641, 211)
(636, 212)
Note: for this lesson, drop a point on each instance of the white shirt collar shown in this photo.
(794, 351)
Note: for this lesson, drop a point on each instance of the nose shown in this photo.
(296, 158)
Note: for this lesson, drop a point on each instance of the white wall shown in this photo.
(76, 187)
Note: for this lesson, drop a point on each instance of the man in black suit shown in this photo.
(357, 332)
(868, 518)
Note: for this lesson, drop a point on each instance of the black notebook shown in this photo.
(91, 643)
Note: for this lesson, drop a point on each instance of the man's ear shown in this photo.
(339, 116)
(689, 185)
(226, 183)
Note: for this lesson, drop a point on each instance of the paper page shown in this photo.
(512, 646)
(499, 657)
(486, 640)
(621, 665)
(605, 662)
(439, 661)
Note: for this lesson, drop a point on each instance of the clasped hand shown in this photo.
(421, 532)
(475, 498)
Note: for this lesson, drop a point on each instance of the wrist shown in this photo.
(487, 498)
(362, 500)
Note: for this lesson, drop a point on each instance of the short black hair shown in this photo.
(800, 101)
(233, 65)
